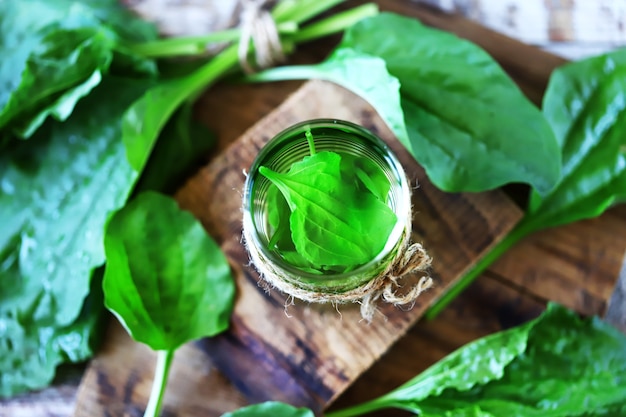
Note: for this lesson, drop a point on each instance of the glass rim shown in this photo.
(333, 280)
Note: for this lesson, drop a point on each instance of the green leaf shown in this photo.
(56, 193)
(475, 364)
(345, 66)
(180, 148)
(585, 104)
(21, 24)
(278, 218)
(166, 280)
(571, 367)
(280, 240)
(469, 125)
(457, 111)
(144, 120)
(332, 223)
(54, 52)
(147, 117)
(557, 365)
(367, 174)
(270, 409)
(56, 77)
(60, 108)
(33, 348)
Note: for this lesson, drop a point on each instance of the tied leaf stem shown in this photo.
(518, 233)
(164, 361)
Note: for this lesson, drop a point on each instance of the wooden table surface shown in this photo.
(579, 264)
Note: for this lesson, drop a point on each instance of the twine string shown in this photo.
(414, 259)
(411, 258)
(258, 31)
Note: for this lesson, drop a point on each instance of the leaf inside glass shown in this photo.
(329, 212)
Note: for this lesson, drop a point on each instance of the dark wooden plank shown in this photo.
(311, 356)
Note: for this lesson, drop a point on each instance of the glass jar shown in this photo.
(291, 146)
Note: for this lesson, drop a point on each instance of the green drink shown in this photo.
(326, 208)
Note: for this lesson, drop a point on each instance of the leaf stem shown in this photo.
(141, 131)
(164, 360)
(335, 23)
(210, 72)
(520, 231)
(359, 409)
(286, 72)
(196, 45)
(227, 59)
(287, 25)
(309, 139)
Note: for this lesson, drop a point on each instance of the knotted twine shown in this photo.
(258, 30)
(410, 258)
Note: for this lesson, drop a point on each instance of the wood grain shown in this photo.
(118, 382)
(307, 354)
(576, 265)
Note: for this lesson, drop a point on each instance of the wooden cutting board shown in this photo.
(307, 354)
(303, 354)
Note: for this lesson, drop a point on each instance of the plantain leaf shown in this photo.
(367, 175)
(278, 218)
(56, 194)
(451, 105)
(332, 224)
(54, 52)
(144, 120)
(557, 365)
(166, 280)
(177, 153)
(345, 66)
(469, 125)
(585, 104)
